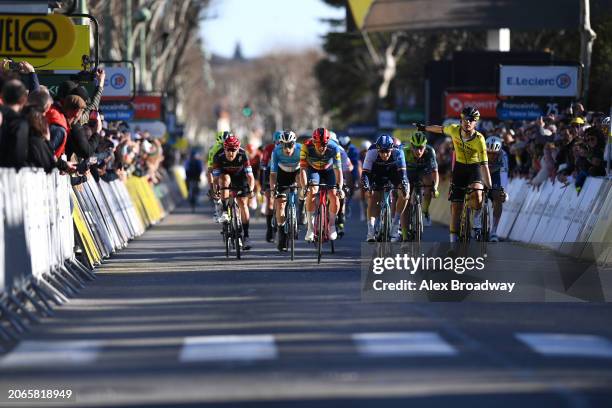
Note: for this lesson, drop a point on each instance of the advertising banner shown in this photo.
(147, 107)
(36, 36)
(117, 111)
(486, 103)
(118, 84)
(530, 109)
(525, 80)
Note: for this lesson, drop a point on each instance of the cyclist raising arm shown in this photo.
(384, 164)
(470, 169)
(320, 163)
(231, 169)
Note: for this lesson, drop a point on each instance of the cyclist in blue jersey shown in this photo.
(498, 167)
(284, 168)
(383, 164)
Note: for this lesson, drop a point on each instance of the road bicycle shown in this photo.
(385, 219)
(322, 227)
(465, 230)
(291, 218)
(232, 229)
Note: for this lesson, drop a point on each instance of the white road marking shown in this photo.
(228, 348)
(413, 344)
(52, 353)
(571, 345)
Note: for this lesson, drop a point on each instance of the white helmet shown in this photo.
(345, 140)
(365, 145)
(287, 136)
(605, 121)
(494, 144)
(333, 136)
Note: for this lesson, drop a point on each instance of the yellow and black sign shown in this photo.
(36, 36)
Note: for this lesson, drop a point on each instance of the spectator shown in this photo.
(14, 132)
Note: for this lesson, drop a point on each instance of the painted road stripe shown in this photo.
(412, 344)
(52, 353)
(579, 345)
(228, 348)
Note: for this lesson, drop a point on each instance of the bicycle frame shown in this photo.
(322, 231)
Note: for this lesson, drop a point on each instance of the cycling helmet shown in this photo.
(418, 139)
(471, 113)
(365, 145)
(494, 144)
(223, 135)
(287, 137)
(333, 136)
(385, 142)
(276, 137)
(345, 140)
(231, 142)
(396, 142)
(321, 136)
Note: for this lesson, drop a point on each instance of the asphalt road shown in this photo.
(171, 322)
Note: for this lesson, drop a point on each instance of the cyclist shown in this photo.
(352, 181)
(470, 165)
(363, 209)
(320, 163)
(218, 146)
(231, 168)
(498, 167)
(421, 165)
(383, 164)
(284, 167)
(255, 160)
(347, 168)
(193, 172)
(265, 183)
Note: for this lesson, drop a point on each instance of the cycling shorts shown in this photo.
(463, 176)
(285, 179)
(327, 177)
(239, 181)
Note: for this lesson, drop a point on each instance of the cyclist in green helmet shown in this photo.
(421, 164)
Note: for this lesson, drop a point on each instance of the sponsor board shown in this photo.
(147, 107)
(118, 83)
(486, 103)
(36, 36)
(526, 80)
(117, 111)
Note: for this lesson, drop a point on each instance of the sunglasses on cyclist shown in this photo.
(231, 150)
(384, 151)
(288, 145)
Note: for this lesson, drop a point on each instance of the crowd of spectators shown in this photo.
(566, 148)
(66, 130)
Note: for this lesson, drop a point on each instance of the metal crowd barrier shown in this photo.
(52, 235)
(574, 223)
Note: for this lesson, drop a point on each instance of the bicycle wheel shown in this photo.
(226, 239)
(320, 225)
(385, 227)
(418, 222)
(236, 227)
(291, 223)
(464, 225)
(485, 221)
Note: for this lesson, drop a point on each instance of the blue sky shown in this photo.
(262, 26)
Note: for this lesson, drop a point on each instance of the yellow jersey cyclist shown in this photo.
(320, 163)
(421, 165)
(498, 167)
(470, 169)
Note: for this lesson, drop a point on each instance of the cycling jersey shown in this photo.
(499, 170)
(376, 171)
(212, 152)
(239, 166)
(426, 164)
(467, 151)
(286, 163)
(266, 156)
(310, 158)
(345, 159)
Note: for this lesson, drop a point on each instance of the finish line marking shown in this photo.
(52, 353)
(228, 348)
(411, 344)
(570, 345)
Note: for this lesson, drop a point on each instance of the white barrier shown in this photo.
(39, 214)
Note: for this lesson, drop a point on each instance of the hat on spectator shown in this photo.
(65, 89)
(82, 92)
(74, 102)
